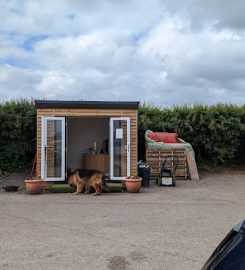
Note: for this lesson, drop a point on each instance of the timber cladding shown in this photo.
(65, 112)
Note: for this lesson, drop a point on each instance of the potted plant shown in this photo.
(34, 185)
(133, 183)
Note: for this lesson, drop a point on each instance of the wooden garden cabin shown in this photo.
(72, 134)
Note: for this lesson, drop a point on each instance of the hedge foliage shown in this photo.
(217, 133)
(17, 135)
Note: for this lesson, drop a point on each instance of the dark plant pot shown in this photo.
(11, 188)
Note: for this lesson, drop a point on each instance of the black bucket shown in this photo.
(144, 173)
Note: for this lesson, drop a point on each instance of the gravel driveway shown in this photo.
(159, 228)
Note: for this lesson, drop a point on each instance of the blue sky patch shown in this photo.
(14, 62)
(71, 16)
(30, 41)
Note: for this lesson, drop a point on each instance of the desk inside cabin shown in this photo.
(96, 161)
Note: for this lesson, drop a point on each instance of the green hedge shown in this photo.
(217, 133)
(17, 135)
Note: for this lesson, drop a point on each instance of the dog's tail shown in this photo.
(105, 187)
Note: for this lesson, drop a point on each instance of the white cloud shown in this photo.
(100, 50)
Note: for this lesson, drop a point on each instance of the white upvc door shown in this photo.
(53, 149)
(119, 147)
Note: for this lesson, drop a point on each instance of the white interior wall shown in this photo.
(81, 135)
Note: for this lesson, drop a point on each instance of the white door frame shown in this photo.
(44, 146)
(112, 177)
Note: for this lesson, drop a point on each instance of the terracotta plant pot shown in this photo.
(34, 186)
(133, 184)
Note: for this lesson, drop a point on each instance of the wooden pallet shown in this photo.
(155, 158)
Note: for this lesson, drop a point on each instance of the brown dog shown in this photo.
(86, 178)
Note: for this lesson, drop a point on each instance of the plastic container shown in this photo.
(144, 172)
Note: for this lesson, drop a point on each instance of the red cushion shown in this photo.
(153, 136)
(164, 137)
(167, 137)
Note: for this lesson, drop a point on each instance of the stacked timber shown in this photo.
(155, 158)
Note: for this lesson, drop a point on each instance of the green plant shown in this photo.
(17, 134)
(216, 132)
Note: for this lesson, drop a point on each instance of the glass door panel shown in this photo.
(119, 147)
(54, 149)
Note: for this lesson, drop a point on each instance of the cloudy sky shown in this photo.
(159, 52)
